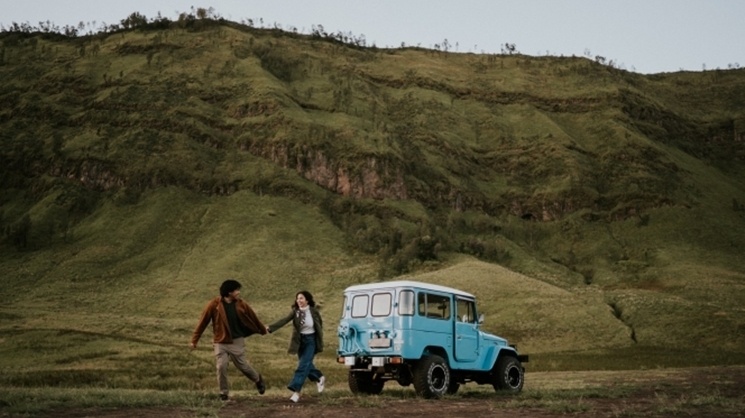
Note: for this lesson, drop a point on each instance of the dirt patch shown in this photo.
(709, 391)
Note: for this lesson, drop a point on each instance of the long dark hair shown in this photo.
(308, 297)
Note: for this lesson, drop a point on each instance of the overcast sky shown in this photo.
(646, 36)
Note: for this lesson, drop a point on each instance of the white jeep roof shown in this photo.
(407, 284)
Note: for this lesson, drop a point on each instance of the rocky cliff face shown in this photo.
(368, 178)
(371, 177)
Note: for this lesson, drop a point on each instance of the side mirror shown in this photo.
(481, 319)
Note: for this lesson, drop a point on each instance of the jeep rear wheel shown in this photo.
(453, 388)
(431, 377)
(376, 386)
(508, 375)
(363, 382)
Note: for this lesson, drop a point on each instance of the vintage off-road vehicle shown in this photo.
(424, 334)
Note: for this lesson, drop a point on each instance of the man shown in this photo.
(232, 320)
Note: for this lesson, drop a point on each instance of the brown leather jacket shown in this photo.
(215, 313)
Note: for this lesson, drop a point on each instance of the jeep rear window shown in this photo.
(359, 306)
(381, 304)
(434, 306)
(406, 303)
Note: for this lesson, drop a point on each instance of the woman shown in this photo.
(307, 340)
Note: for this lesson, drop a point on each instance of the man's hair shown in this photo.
(228, 286)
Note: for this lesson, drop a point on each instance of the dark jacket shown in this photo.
(215, 313)
(295, 340)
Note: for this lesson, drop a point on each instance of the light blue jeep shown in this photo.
(424, 334)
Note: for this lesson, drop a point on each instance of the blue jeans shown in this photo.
(305, 368)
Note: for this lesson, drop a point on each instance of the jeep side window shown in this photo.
(406, 303)
(381, 304)
(442, 303)
(434, 306)
(359, 306)
(466, 311)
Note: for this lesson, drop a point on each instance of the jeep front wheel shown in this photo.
(508, 375)
(431, 377)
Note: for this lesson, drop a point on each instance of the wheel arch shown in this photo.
(437, 350)
(504, 352)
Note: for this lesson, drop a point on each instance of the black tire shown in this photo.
(453, 388)
(362, 382)
(431, 377)
(376, 386)
(508, 375)
(359, 381)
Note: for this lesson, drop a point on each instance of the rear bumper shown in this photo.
(363, 362)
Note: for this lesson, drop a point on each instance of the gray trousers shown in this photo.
(235, 352)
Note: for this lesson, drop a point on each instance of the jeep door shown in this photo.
(466, 330)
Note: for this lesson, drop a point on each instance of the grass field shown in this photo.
(95, 319)
(704, 391)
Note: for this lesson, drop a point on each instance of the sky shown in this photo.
(644, 36)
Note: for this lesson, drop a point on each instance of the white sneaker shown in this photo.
(295, 397)
(321, 384)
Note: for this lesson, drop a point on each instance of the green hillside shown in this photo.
(597, 214)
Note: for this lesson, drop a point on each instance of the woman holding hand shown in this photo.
(306, 341)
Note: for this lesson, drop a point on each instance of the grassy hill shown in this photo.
(597, 214)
